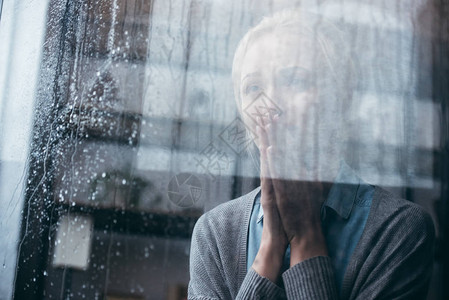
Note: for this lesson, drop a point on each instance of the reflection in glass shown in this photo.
(123, 113)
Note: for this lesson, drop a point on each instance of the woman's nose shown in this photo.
(276, 99)
(272, 93)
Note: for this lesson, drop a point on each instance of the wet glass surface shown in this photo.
(120, 126)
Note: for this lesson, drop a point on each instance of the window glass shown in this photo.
(122, 122)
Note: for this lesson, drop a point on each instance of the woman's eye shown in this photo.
(252, 88)
(293, 81)
(296, 82)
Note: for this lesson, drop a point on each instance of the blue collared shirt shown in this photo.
(343, 218)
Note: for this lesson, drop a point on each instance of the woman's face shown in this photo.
(280, 68)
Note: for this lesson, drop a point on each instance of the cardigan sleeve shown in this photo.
(312, 278)
(206, 274)
(398, 264)
(255, 286)
(207, 279)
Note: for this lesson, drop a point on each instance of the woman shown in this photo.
(313, 230)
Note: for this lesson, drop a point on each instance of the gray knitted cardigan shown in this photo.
(393, 259)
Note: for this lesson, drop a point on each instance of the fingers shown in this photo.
(273, 163)
(273, 232)
(273, 141)
(265, 180)
(272, 131)
(274, 156)
(262, 134)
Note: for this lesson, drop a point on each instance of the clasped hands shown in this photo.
(291, 206)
